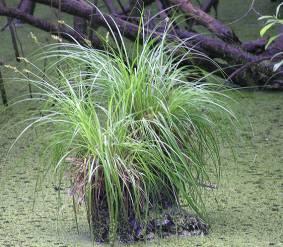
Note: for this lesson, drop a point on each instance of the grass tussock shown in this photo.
(134, 131)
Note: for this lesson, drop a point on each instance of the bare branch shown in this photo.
(254, 73)
(65, 31)
(215, 26)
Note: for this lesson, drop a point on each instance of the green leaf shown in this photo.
(271, 40)
(265, 17)
(278, 9)
(266, 28)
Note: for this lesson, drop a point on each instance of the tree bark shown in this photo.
(66, 32)
(208, 4)
(92, 24)
(27, 6)
(80, 25)
(215, 26)
(255, 46)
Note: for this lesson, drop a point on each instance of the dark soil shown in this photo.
(171, 222)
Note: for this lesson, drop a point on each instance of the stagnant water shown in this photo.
(246, 209)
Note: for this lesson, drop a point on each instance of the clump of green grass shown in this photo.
(130, 130)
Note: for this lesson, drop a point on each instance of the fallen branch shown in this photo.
(208, 4)
(65, 32)
(233, 57)
(215, 26)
